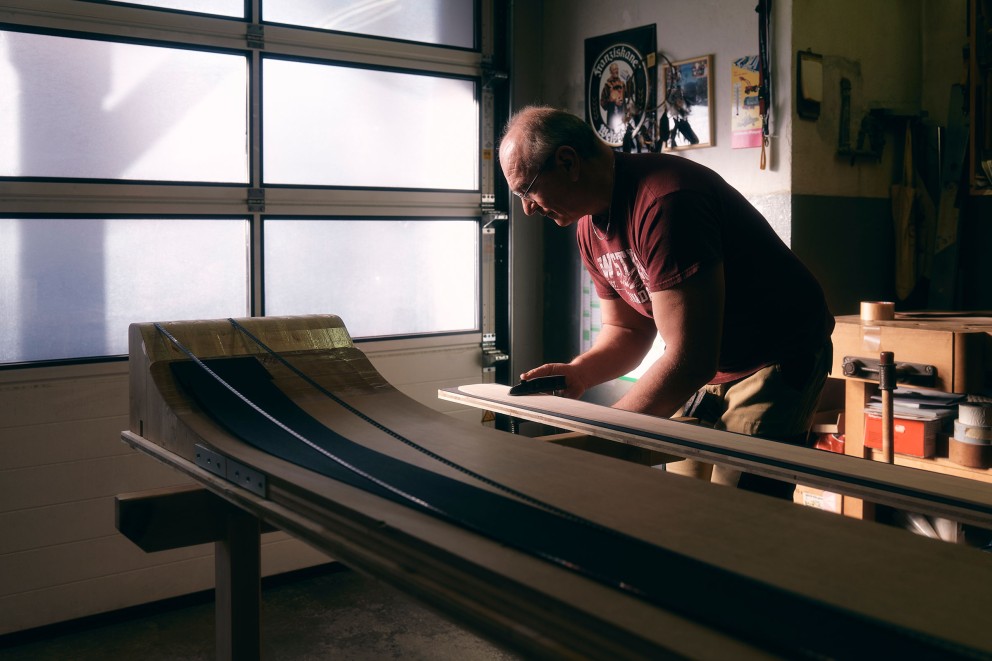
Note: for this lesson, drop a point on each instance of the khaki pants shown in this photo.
(776, 403)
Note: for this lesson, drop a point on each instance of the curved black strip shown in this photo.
(789, 466)
(703, 592)
(399, 437)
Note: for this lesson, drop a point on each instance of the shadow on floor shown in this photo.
(327, 612)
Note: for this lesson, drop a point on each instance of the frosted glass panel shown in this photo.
(70, 287)
(234, 8)
(106, 110)
(442, 22)
(345, 126)
(382, 277)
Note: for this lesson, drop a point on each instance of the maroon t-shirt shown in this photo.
(669, 218)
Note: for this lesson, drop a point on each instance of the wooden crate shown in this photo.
(960, 347)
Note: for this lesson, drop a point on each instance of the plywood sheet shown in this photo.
(898, 486)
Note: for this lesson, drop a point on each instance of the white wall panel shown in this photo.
(162, 580)
(62, 463)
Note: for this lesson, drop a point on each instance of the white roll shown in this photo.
(971, 434)
(975, 414)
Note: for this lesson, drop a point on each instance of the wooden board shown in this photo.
(502, 594)
(929, 588)
(920, 491)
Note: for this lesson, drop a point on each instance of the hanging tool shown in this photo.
(764, 10)
(944, 284)
(905, 222)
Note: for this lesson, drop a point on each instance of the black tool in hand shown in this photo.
(542, 384)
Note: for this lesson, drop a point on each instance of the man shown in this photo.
(674, 250)
(614, 98)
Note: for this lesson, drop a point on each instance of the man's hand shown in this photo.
(623, 340)
(574, 384)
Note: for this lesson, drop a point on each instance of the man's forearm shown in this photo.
(661, 390)
(616, 352)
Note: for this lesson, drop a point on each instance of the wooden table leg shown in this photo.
(856, 395)
(238, 571)
(176, 517)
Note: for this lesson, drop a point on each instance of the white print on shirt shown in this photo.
(625, 274)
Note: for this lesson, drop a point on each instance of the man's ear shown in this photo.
(569, 160)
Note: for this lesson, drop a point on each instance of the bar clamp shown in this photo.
(907, 373)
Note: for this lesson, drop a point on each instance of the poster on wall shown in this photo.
(688, 88)
(620, 88)
(745, 129)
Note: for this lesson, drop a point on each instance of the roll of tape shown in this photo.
(877, 311)
(966, 433)
(976, 414)
(973, 455)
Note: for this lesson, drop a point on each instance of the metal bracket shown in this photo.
(490, 354)
(255, 36)
(256, 199)
(910, 373)
(490, 74)
(232, 471)
(490, 217)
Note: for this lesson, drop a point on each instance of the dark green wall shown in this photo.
(847, 243)
(562, 294)
(976, 243)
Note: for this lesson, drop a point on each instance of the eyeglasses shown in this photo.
(525, 195)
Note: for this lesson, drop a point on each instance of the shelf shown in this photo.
(958, 345)
(938, 465)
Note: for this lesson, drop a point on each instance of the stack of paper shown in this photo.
(918, 404)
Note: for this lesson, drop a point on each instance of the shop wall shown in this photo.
(901, 58)
(685, 29)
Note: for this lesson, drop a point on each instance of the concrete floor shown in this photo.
(326, 613)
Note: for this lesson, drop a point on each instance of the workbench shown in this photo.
(947, 352)
(720, 573)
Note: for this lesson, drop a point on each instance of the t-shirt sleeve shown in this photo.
(679, 234)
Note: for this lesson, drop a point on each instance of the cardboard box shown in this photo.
(818, 498)
(828, 422)
(917, 438)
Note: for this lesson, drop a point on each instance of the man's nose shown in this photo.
(529, 206)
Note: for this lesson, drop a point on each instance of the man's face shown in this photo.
(549, 193)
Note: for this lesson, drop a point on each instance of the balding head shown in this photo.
(556, 164)
(535, 132)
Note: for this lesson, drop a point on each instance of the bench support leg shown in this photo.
(238, 570)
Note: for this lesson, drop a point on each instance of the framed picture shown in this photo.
(688, 88)
(620, 87)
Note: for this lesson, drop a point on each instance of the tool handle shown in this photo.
(886, 383)
(542, 384)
